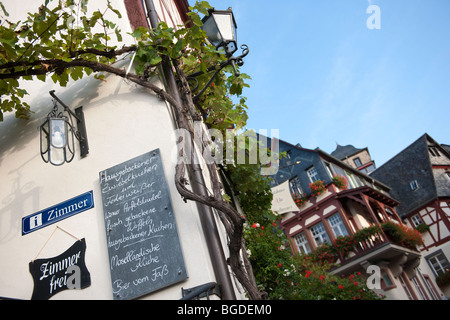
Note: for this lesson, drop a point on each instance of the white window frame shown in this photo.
(302, 243)
(319, 234)
(337, 225)
(416, 220)
(439, 258)
(313, 175)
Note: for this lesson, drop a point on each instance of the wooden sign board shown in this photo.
(143, 244)
(66, 271)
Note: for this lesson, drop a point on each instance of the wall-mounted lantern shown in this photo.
(220, 28)
(58, 134)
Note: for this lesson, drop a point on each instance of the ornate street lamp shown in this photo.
(220, 28)
(58, 134)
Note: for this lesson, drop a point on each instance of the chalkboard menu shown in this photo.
(143, 244)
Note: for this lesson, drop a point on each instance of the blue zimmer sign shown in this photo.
(57, 213)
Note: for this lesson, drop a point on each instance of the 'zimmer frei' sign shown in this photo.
(66, 271)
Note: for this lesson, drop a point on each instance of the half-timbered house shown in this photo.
(341, 206)
(420, 179)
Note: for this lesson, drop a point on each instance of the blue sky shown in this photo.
(321, 77)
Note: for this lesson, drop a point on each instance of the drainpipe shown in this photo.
(198, 186)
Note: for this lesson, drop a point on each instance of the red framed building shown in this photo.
(361, 211)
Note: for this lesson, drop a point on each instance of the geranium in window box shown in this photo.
(443, 280)
(340, 181)
(317, 187)
(422, 228)
(299, 201)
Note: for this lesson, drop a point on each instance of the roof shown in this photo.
(414, 164)
(343, 152)
(446, 147)
(329, 157)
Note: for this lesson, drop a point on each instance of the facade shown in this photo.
(357, 158)
(420, 179)
(99, 199)
(362, 211)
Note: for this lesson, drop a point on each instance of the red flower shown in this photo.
(308, 273)
(341, 286)
(279, 265)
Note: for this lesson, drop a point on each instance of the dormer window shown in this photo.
(357, 162)
(313, 174)
(414, 185)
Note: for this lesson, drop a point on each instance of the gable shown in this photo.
(410, 176)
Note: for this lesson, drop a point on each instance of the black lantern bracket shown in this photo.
(222, 36)
(58, 149)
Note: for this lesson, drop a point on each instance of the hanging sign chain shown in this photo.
(56, 228)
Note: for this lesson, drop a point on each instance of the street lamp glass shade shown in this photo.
(220, 27)
(57, 141)
(57, 156)
(58, 133)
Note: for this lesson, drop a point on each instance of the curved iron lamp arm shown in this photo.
(66, 108)
(231, 60)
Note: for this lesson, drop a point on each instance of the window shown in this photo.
(434, 151)
(327, 165)
(406, 288)
(388, 283)
(439, 263)
(414, 185)
(319, 234)
(368, 169)
(390, 213)
(419, 288)
(313, 174)
(351, 180)
(416, 220)
(302, 243)
(430, 287)
(337, 225)
(295, 186)
(357, 162)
